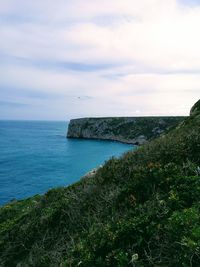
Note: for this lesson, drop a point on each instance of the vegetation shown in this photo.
(125, 129)
(150, 127)
(140, 210)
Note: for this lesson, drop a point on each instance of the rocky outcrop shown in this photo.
(132, 130)
(91, 173)
(195, 109)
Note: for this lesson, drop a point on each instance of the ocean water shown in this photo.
(36, 156)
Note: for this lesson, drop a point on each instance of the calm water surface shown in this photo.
(36, 156)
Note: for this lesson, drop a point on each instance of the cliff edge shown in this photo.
(132, 130)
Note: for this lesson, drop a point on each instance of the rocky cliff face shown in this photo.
(195, 109)
(133, 130)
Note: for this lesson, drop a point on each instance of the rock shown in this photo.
(91, 173)
(132, 130)
(195, 109)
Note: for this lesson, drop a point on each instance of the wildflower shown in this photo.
(134, 257)
(198, 171)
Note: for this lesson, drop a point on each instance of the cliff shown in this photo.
(133, 130)
(195, 110)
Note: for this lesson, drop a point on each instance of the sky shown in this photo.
(88, 58)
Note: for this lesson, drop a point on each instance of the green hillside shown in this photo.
(140, 210)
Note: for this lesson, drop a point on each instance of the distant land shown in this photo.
(131, 130)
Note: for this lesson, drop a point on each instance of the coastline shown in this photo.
(127, 130)
(119, 140)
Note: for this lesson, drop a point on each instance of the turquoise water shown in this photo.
(36, 156)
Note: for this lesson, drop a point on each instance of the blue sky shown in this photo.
(98, 58)
(189, 2)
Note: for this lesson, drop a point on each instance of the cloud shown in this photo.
(12, 104)
(102, 58)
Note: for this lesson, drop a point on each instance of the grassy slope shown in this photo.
(142, 126)
(140, 210)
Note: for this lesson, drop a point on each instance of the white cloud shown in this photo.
(152, 47)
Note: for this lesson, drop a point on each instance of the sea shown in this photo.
(36, 156)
